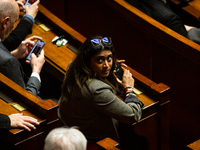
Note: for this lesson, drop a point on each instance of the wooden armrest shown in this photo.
(107, 144)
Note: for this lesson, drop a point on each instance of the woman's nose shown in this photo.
(106, 64)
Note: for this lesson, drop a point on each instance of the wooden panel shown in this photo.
(153, 50)
(44, 111)
(107, 144)
(192, 7)
(57, 59)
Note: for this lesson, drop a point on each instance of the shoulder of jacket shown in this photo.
(95, 84)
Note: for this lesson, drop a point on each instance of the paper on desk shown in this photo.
(18, 107)
(137, 91)
(44, 27)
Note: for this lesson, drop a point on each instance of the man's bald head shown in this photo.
(8, 8)
(9, 14)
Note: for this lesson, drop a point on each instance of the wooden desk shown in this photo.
(152, 49)
(192, 7)
(107, 144)
(154, 123)
(44, 111)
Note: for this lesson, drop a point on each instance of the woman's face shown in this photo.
(102, 63)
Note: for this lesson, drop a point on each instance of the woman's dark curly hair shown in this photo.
(79, 71)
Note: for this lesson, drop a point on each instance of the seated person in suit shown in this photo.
(9, 65)
(24, 27)
(88, 98)
(17, 121)
(63, 138)
(160, 11)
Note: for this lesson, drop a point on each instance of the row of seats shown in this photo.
(152, 49)
(155, 96)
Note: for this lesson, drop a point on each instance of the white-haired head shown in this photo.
(63, 138)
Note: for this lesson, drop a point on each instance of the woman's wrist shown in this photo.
(128, 90)
(129, 94)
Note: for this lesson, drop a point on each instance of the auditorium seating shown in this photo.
(151, 49)
(154, 125)
(15, 99)
(107, 144)
(191, 7)
(155, 96)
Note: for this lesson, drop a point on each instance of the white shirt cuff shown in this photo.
(34, 74)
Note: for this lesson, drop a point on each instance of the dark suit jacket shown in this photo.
(4, 122)
(4, 129)
(18, 34)
(161, 12)
(10, 67)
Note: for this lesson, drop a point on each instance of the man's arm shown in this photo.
(18, 34)
(23, 28)
(4, 122)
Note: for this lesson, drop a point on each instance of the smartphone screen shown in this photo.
(29, 2)
(36, 49)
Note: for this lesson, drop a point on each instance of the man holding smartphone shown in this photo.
(25, 25)
(9, 64)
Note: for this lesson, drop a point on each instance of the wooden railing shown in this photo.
(155, 96)
(44, 111)
(152, 49)
(154, 123)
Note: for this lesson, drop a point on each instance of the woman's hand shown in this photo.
(127, 79)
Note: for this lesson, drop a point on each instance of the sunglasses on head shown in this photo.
(98, 42)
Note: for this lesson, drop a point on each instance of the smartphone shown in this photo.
(119, 71)
(36, 49)
(29, 2)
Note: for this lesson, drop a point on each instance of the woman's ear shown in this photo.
(5, 22)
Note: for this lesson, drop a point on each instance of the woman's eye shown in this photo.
(99, 61)
(109, 58)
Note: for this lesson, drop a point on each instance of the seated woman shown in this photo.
(89, 88)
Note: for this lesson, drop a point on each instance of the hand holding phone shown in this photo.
(37, 62)
(33, 9)
(119, 71)
(29, 2)
(36, 49)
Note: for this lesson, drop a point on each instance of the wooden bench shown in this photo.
(11, 97)
(194, 145)
(150, 48)
(154, 123)
(107, 144)
(192, 7)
